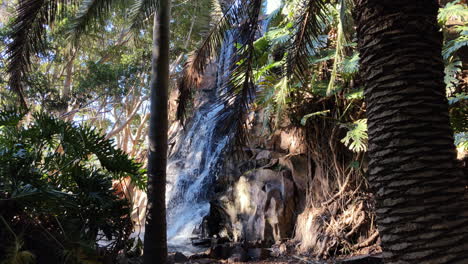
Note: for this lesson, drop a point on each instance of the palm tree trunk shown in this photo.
(155, 244)
(422, 203)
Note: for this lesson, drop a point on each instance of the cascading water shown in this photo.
(195, 158)
(192, 166)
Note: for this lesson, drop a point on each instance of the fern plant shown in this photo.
(56, 178)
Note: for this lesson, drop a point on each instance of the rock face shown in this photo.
(258, 198)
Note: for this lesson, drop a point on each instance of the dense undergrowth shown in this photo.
(57, 203)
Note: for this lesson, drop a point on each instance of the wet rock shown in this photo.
(220, 240)
(137, 260)
(218, 220)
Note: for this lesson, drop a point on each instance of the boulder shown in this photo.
(298, 166)
(290, 141)
(264, 154)
(259, 206)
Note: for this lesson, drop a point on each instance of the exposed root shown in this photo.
(336, 229)
(339, 215)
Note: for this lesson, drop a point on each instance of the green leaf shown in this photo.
(350, 66)
(356, 137)
(461, 141)
(453, 10)
(320, 113)
(453, 46)
(355, 95)
(457, 98)
(451, 70)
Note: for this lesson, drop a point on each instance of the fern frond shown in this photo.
(350, 66)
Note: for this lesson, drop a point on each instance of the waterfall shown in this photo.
(196, 157)
(193, 163)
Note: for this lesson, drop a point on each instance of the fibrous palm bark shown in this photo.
(155, 244)
(421, 191)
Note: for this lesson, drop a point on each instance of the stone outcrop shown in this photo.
(258, 198)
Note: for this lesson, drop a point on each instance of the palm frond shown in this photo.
(90, 13)
(241, 86)
(196, 63)
(140, 12)
(28, 37)
(10, 117)
(308, 25)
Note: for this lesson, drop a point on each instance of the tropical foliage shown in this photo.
(58, 203)
(87, 64)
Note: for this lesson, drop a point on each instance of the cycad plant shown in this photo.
(56, 189)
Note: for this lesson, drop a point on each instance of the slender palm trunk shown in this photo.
(155, 245)
(422, 203)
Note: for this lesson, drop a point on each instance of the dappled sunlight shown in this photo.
(243, 196)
